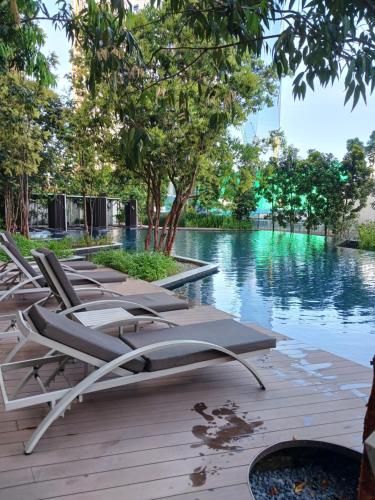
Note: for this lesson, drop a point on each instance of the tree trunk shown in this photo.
(173, 230)
(10, 222)
(149, 208)
(366, 487)
(156, 221)
(92, 206)
(85, 221)
(25, 208)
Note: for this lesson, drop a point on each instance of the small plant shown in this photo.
(367, 236)
(148, 266)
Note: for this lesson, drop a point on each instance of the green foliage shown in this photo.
(88, 241)
(216, 222)
(22, 40)
(319, 189)
(30, 129)
(320, 180)
(149, 266)
(367, 236)
(226, 180)
(62, 248)
(287, 179)
(320, 41)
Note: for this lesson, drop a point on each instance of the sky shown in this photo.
(320, 121)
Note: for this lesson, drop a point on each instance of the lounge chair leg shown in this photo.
(22, 341)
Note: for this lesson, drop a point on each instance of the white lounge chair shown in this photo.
(31, 281)
(136, 357)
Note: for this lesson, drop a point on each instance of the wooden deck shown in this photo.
(185, 437)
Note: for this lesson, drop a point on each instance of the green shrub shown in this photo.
(89, 241)
(181, 222)
(212, 221)
(61, 247)
(216, 222)
(367, 236)
(149, 266)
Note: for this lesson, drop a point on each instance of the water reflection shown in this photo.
(296, 284)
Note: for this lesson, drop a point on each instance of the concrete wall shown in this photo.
(367, 213)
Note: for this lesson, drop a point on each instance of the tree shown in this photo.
(320, 185)
(226, 181)
(286, 171)
(246, 163)
(23, 139)
(22, 40)
(355, 187)
(267, 188)
(370, 150)
(214, 177)
(168, 132)
(88, 134)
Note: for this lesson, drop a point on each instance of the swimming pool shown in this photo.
(295, 284)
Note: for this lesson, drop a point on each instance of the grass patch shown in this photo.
(216, 222)
(61, 247)
(148, 266)
(367, 236)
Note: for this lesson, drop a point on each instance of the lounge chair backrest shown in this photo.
(56, 277)
(76, 336)
(19, 260)
(7, 236)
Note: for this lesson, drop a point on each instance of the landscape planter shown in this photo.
(291, 469)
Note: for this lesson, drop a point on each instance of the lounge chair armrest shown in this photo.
(20, 285)
(122, 302)
(102, 290)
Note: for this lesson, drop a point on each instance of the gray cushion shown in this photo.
(158, 301)
(225, 333)
(110, 276)
(72, 334)
(80, 265)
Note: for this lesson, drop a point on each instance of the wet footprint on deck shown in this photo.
(225, 425)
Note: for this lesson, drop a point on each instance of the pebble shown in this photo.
(305, 483)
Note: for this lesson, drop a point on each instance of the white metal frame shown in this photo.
(60, 400)
(121, 300)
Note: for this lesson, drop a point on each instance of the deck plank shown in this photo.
(145, 442)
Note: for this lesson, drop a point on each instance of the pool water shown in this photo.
(294, 284)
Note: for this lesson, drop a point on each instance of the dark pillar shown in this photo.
(57, 212)
(98, 218)
(131, 217)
